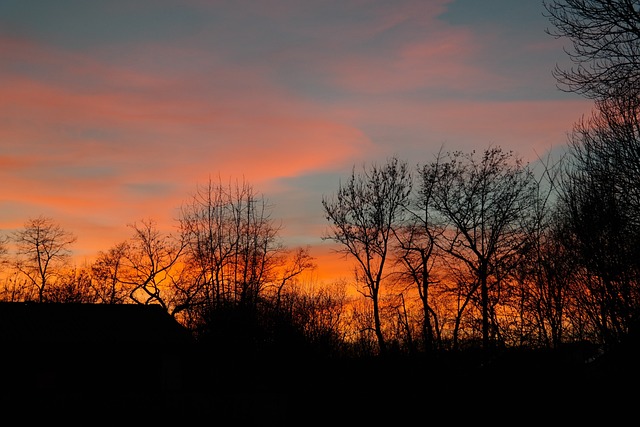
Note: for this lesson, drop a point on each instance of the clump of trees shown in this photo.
(447, 259)
(598, 195)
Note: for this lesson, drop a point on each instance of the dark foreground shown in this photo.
(506, 390)
(83, 364)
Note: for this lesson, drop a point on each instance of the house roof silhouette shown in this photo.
(74, 323)
(80, 348)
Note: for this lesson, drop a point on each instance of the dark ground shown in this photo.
(510, 389)
(76, 364)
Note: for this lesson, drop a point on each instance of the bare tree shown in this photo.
(321, 314)
(15, 288)
(546, 272)
(150, 257)
(417, 251)
(4, 249)
(608, 144)
(231, 242)
(363, 214)
(236, 265)
(299, 262)
(106, 272)
(600, 206)
(484, 203)
(73, 287)
(548, 277)
(43, 248)
(606, 46)
(600, 195)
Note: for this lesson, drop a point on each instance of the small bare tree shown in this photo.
(106, 272)
(4, 250)
(73, 287)
(149, 260)
(290, 269)
(43, 248)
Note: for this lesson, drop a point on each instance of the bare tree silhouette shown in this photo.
(606, 44)
(43, 247)
(363, 213)
(485, 203)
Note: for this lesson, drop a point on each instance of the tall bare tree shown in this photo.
(232, 244)
(363, 213)
(600, 195)
(547, 271)
(43, 248)
(600, 205)
(484, 203)
(237, 266)
(417, 251)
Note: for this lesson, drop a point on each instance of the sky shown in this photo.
(116, 111)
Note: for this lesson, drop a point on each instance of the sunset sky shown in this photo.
(112, 112)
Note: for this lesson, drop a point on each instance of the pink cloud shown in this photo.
(91, 145)
(440, 63)
(232, 101)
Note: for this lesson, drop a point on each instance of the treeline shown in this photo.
(466, 249)
(462, 251)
